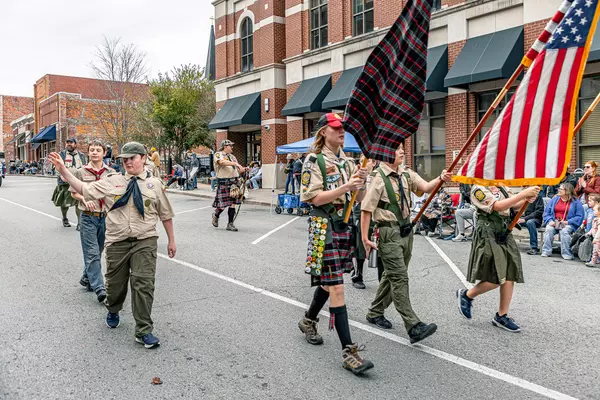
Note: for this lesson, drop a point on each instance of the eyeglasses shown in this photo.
(587, 166)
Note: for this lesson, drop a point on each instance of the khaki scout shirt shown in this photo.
(126, 222)
(225, 171)
(150, 167)
(84, 175)
(376, 192)
(338, 169)
(484, 198)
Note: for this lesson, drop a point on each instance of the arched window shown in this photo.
(247, 46)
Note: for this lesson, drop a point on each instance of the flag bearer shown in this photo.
(136, 201)
(388, 203)
(328, 178)
(495, 260)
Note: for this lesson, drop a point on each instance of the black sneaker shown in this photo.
(380, 321)
(506, 323)
(66, 223)
(85, 283)
(352, 361)
(464, 303)
(113, 320)
(533, 252)
(309, 328)
(101, 295)
(421, 331)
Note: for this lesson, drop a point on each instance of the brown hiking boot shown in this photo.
(352, 361)
(215, 220)
(231, 227)
(309, 328)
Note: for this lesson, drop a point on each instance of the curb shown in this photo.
(31, 176)
(212, 196)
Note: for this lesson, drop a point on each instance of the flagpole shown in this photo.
(585, 116)
(525, 63)
(354, 194)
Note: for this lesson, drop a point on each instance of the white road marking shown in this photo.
(31, 209)
(266, 235)
(522, 383)
(453, 266)
(192, 210)
(482, 369)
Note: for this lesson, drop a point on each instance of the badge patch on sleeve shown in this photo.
(397, 197)
(479, 195)
(306, 177)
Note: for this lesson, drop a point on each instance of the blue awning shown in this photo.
(47, 134)
(350, 145)
(35, 146)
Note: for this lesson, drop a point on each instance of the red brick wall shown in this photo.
(295, 131)
(221, 61)
(532, 31)
(334, 78)
(269, 45)
(454, 50)
(451, 3)
(13, 107)
(276, 136)
(295, 29)
(277, 100)
(386, 12)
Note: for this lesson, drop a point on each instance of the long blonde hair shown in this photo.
(319, 142)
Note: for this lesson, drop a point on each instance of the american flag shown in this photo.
(530, 142)
(387, 102)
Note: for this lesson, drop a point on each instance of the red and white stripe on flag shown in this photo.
(531, 141)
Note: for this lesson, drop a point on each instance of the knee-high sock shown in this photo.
(319, 299)
(231, 214)
(64, 210)
(340, 320)
(218, 211)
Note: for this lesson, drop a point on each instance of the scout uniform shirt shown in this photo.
(484, 198)
(150, 167)
(126, 222)
(73, 160)
(338, 169)
(225, 171)
(88, 175)
(376, 192)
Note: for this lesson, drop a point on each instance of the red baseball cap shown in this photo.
(331, 119)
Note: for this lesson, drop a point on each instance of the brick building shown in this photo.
(282, 63)
(12, 108)
(20, 146)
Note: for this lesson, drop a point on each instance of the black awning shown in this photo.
(595, 47)
(339, 95)
(48, 134)
(243, 110)
(493, 56)
(308, 97)
(437, 68)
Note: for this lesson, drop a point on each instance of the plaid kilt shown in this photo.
(337, 260)
(62, 196)
(222, 198)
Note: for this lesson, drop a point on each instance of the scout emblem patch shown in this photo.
(147, 203)
(479, 195)
(150, 186)
(316, 244)
(306, 177)
(397, 197)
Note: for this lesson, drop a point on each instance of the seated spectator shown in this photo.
(177, 176)
(590, 181)
(563, 215)
(532, 218)
(255, 176)
(595, 234)
(442, 201)
(593, 199)
(465, 211)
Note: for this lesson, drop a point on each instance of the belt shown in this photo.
(94, 213)
(387, 224)
(130, 239)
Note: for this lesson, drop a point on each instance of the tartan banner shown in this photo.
(387, 102)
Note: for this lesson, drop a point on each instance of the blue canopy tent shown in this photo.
(303, 146)
(350, 145)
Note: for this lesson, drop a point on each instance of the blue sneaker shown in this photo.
(112, 320)
(508, 324)
(148, 340)
(464, 304)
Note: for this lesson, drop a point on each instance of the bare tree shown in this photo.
(122, 68)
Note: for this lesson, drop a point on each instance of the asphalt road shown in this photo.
(226, 311)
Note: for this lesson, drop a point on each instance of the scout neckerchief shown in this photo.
(132, 189)
(393, 204)
(97, 175)
(76, 162)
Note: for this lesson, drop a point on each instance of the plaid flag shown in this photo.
(387, 101)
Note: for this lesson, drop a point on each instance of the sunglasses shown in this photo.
(587, 166)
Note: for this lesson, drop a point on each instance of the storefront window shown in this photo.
(247, 46)
(318, 23)
(430, 141)
(253, 144)
(362, 17)
(484, 102)
(437, 4)
(589, 135)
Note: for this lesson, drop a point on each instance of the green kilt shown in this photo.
(490, 261)
(62, 196)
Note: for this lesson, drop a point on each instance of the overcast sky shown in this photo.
(39, 37)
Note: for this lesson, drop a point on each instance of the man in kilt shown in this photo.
(228, 172)
(328, 179)
(62, 196)
(495, 260)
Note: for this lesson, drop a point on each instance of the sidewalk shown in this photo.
(259, 196)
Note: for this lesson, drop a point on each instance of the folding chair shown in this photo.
(447, 218)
